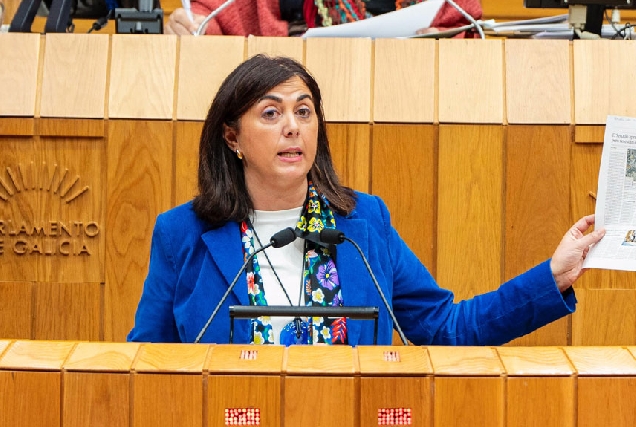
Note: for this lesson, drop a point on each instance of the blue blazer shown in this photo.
(193, 263)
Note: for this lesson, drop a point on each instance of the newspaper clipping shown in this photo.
(616, 198)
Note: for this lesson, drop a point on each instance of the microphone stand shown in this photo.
(278, 240)
(330, 235)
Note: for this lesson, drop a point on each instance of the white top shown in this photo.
(286, 261)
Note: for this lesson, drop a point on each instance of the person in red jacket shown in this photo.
(292, 17)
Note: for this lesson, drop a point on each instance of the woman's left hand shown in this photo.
(567, 261)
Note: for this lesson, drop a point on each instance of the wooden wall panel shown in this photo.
(335, 392)
(616, 309)
(17, 126)
(606, 401)
(471, 81)
(67, 311)
(139, 187)
(19, 73)
(74, 78)
(469, 401)
(538, 81)
(537, 209)
(179, 402)
(292, 47)
(404, 174)
(469, 386)
(386, 392)
(262, 392)
(30, 398)
(204, 62)
(92, 399)
(342, 68)
(601, 88)
(75, 170)
(540, 387)
(142, 76)
(470, 209)
(15, 310)
(186, 154)
(537, 194)
(19, 207)
(404, 91)
(350, 146)
(540, 401)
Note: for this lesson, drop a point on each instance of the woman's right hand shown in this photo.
(180, 24)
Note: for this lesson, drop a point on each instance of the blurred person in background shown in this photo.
(284, 18)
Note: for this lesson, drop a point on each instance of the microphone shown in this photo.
(58, 21)
(335, 237)
(24, 16)
(278, 240)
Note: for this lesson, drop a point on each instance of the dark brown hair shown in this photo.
(223, 194)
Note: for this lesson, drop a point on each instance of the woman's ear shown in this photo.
(230, 136)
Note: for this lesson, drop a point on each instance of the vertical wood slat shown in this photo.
(469, 386)
(139, 187)
(350, 146)
(395, 379)
(74, 78)
(97, 384)
(535, 226)
(605, 385)
(142, 76)
(67, 311)
(15, 310)
(404, 91)
(342, 68)
(291, 47)
(538, 81)
(204, 62)
(330, 372)
(603, 77)
(30, 398)
(540, 386)
(470, 209)
(235, 381)
(180, 380)
(179, 402)
(75, 170)
(19, 208)
(615, 307)
(186, 153)
(404, 174)
(93, 399)
(19, 73)
(471, 85)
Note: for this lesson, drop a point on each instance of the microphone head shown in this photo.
(283, 238)
(332, 236)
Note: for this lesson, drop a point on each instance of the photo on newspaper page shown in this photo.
(616, 198)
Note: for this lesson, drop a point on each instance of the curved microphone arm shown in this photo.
(227, 293)
(278, 240)
(377, 286)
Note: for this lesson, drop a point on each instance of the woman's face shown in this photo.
(278, 137)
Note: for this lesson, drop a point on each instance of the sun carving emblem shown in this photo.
(54, 179)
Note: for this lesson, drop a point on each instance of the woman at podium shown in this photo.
(265, 166)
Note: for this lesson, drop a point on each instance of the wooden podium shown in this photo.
(68, 384)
